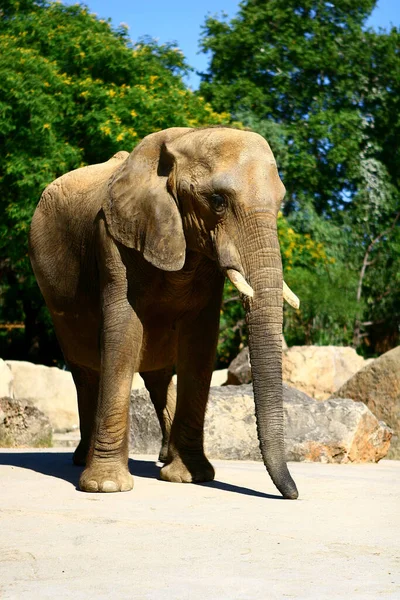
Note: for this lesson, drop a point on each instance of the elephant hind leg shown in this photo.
(198, 336)
(87, 388)
(163, 395)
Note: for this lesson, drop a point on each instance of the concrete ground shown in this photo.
(234, 539)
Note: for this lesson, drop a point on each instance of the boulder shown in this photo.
(378, 387)
(6, 380)
(145, 433)
(316, 370)
(239, 371)
(50, 389)
(337, 430)
(329, 431)
(23, 425)
(320, 370)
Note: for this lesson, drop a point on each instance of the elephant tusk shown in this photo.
(290, 298)
(240, 283)
(244, 288)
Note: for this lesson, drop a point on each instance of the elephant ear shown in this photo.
(140, 211)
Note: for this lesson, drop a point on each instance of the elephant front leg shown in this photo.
(197, 344)
(107, 462)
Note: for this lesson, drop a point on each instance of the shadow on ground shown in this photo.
(59, 464)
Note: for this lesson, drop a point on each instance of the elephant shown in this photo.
(131, 257)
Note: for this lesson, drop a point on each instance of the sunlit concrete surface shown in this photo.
(232, 539)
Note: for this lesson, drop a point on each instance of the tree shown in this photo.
(325, 91)
(73, 91)
(295, 63)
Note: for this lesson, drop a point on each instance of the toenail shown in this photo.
(109, 486)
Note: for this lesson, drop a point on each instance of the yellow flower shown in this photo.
(153, 78)
(105, 129)
(67, 80)
(112, 93)
(46, 126)
(120, 137)
(133, 113)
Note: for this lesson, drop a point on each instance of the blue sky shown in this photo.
(181, 20)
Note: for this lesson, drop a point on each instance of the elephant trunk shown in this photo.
(261, 260)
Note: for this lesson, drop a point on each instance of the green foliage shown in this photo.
(298, 64)
(73, 91)
(328, 308)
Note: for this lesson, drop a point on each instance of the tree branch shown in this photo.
(366, 262)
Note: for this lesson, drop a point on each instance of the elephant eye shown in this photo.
(218, 203)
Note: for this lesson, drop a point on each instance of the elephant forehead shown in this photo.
(247, 175)
(224, 146)
(244, 147)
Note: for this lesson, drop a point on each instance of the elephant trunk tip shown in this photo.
(285, 484)
(290, 493)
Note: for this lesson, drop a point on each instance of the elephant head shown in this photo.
(216, 191)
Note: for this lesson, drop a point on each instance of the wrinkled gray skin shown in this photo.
(131, 256)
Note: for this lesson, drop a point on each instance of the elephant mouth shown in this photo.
(240, 283)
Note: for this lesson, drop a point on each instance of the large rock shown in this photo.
(337, 430)
(378, 386)
(23, 425)
(239, 371)
(145, 433)
(320, 370)
(50, 389)
(329, 431)
(316, 370)
(6, 380)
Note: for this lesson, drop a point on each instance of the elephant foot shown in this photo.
(80, 454)
(106, 478)
(188, 470)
